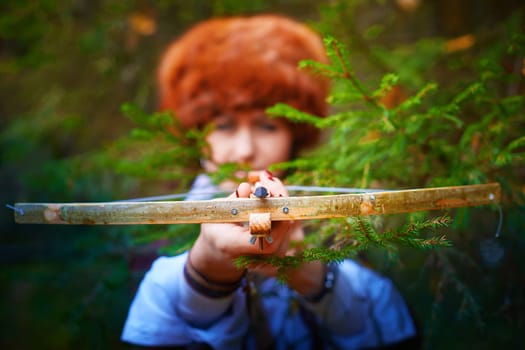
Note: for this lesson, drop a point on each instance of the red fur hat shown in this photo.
(226, 64)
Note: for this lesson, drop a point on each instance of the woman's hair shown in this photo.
(227, 64)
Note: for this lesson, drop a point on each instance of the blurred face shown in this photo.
(249, 138)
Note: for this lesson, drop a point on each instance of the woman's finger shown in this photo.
(274, 186)
(242, 191)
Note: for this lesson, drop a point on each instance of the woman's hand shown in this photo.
(219, 244)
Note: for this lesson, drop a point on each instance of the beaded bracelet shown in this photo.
(206, 287)
(328, 284)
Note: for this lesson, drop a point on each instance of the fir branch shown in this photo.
(158, 148)
(226, 172)
(282, 264)
(338, 54)
(362, 228)
(294, 115)
(409, 234)
(387, 83)
(426, 243)
(317, 68)
(507, 155)
(155, 121)
(416, 99)
(470, 91)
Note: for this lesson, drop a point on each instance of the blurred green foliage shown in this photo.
(428, 95)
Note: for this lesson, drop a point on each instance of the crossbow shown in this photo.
(260, 210)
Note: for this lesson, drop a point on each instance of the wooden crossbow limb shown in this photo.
(258, 212)
(239, 209)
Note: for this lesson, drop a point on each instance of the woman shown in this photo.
(225, 73)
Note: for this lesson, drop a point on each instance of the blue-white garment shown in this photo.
(363, 310)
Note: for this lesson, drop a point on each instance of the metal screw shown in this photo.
(286, 210)
(234, 211)
(491, 196)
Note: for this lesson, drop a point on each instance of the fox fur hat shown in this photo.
(227, 64)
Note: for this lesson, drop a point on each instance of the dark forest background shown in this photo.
(67, 68)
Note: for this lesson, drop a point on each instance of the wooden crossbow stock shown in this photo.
(258, 212)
